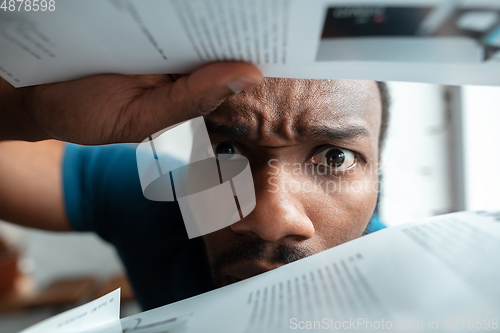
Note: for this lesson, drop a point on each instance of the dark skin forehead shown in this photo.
(284, 112)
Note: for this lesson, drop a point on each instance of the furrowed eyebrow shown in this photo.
(325, 133)
(316, 133)
(235, 132)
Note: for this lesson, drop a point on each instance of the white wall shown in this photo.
(481, 128)
(415, 159)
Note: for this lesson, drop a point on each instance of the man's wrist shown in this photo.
(16, 120)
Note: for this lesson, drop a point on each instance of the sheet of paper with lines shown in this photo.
(435, 270)
(435, 41)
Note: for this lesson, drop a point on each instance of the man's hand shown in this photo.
(118, 108)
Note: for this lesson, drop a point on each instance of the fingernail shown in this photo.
(241, 83)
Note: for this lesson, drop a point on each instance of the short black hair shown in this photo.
(385, 101)
(384, 124)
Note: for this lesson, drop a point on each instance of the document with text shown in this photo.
(436, 41)
(438, 274)
(100, 315)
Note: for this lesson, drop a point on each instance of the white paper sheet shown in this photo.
(100, 315)
(420, 275)
(436, 275)
(437, 41)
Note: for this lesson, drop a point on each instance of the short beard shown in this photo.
(256, 250)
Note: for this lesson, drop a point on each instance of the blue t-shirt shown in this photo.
(103, 194)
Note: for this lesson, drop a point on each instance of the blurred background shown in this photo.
(441, 156)
(442, 151)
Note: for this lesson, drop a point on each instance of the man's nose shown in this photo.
(279, 212)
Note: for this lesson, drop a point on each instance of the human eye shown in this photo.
(225, 147)
(336, 158)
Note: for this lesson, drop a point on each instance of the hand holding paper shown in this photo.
(118, 108)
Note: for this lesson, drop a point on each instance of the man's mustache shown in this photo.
(259, 250)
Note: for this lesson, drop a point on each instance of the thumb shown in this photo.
(202, 92)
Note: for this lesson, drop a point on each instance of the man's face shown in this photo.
(313, 147)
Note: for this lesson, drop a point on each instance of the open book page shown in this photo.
(438, 274)
(437, 41)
